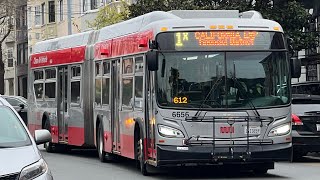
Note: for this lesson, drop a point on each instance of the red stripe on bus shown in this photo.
(76, 136)
(125, 45)
(127, 145)
(58, 57)
(107, 141)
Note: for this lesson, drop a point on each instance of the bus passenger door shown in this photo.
(62, 103)
(115, 125)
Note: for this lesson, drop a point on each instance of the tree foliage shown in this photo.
(109, 15)
(291, 14)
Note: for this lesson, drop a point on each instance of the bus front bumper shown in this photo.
(173, 155)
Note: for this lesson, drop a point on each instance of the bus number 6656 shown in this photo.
(180, 114)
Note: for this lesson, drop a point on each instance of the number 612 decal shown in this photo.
(180, 100)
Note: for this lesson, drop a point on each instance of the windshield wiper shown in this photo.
(206, 98)
(241, 90)
(6, 147)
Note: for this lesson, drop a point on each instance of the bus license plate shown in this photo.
(253, 130)
(318, 127)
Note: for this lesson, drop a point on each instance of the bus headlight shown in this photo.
(280, 130)
(169, 131)
(34, 170)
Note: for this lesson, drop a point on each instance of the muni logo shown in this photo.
(227, 130)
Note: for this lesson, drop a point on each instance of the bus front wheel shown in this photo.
(140, 155)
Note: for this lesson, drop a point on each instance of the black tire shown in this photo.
(49, 146)
(260, 171)
(103, 156)
(140, 155)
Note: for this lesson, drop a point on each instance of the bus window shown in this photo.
(106, 68)
(50, 83)
(138, 92)
(98, 68)
(38, 75)
(106, 82)
(98, 82)
(38, 89)
(139, 64)
(76, 71)
(50, 73)
(75, 84)
(127, 99)
(105, 90)
(50, 90)
(127, 66)
(75, 92)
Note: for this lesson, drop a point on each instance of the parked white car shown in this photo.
(19, 155)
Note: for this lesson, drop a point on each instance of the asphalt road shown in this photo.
(85, 165)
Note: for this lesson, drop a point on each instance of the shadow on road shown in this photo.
(205, 172)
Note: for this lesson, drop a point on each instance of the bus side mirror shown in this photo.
(295, 65)
(152, 60)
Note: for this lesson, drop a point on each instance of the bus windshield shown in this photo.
(223, 79)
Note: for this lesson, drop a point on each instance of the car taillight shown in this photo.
(296, 120)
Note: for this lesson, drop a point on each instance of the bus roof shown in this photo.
(64, 42)
(176, 20)
(179, 20)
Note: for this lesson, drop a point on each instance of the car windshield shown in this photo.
(223, 79)
(12, 132)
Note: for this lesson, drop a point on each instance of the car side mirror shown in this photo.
(295, 65)
(42, 136)
(152, 60)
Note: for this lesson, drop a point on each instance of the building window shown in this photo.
(10, 57)
(22, 54)
(94, 4)
(24, 15)
(29, 18)
(61, 10)
(42, 13)
(52, 14)
(37, 15)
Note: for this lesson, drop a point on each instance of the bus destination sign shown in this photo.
(215, 38)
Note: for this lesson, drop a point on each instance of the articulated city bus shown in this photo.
(169, 88)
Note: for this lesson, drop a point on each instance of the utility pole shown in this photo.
(69, 17)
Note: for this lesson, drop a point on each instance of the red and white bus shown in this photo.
(168, 88)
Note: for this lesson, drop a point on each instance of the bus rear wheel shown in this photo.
(103, 156)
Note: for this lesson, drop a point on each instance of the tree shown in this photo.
(109, 15)
(6, 26)
(291, 14)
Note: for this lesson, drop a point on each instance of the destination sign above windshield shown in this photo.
(220, 40)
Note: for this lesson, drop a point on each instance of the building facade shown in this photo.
(310, 58)
(21, 70)
(8, 46)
